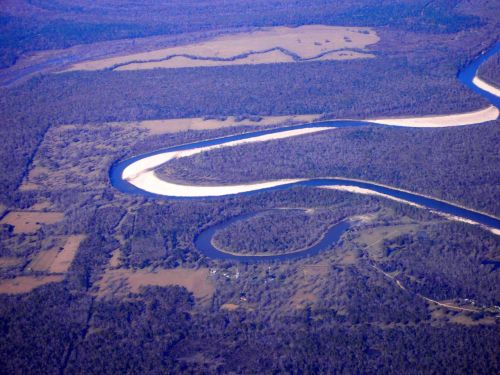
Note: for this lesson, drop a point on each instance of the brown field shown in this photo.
(122, 281)
(197, 123)
(373, 238)
(185, 62)
(320, 269)
(30, 221)
(302, 299)
(28, 186)
(57, 259)
(271, 57)
(348, 259)
(41, 206)
(230, 307)
(64, 258)
(115, 262)
(308, 42)
(35, 174)
(10, 261)
(43, 260)
(25, 284)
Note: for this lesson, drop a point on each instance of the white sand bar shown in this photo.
(486, 86)
(141, 173)
(358, 190)
(469, 118)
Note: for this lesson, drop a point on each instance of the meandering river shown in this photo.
(137, 176)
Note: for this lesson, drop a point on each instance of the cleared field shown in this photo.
(123, 281)
(156, 127)
(43, 260)
(269, 45)
(320, 269)
(35, 174)
(63, 260)
(301, 299)
(30, 221)
(56, 260)
(25, 284)
(6, 262)
(230, 307)
(187, 62)
(115, 262)
(372, 239)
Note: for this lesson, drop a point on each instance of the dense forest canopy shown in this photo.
(60, 24)
(423, 160)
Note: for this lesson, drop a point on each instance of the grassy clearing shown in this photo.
(25, 284)
(230, 307)
(65, 257)
(120, 282)
(372, 239)
(307, 42)
(30, 221)
(6, 262)
(43, 261)
(156, 127)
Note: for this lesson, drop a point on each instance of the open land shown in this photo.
(272, 45)
(25, 284)
(115, 282)
(31, 221)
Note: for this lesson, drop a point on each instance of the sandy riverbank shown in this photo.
(486, 86)
(358, 190)
(141, 173)
(469, 118)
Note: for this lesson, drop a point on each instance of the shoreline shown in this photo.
(141, 177)
(483, 85)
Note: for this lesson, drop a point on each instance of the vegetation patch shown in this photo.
(266, 46)
(6, 262)
(454, 164)
(30, 221)
(215, 122)
(25, 284)
(119, 282)
(65, 256)
(490, 70)
(274, 232)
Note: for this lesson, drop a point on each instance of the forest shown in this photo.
(69, 326)
(455, 164)
(404, 290)
(61, 24)
(276, 232)
(490, 70)
(30, 109)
